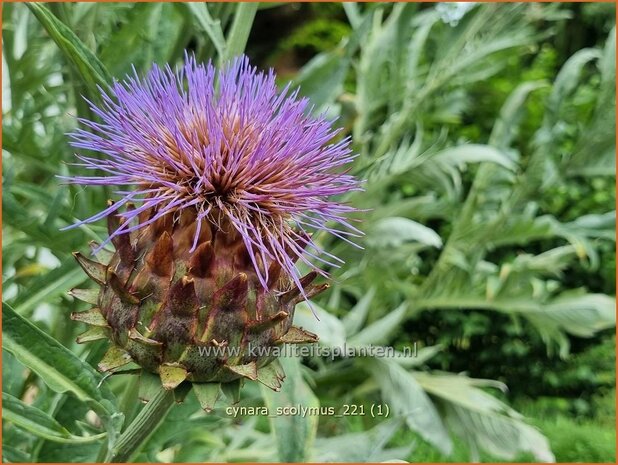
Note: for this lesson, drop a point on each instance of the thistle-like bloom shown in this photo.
(229, 145)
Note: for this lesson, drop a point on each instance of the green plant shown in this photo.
(491, 259)
(461, 219)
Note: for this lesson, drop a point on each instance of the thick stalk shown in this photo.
(241, 27)
(145, 424)
(129, 402)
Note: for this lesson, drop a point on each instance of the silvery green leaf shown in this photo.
(295, 433)
(482, 420)
(380, 331)
(354, 319)
(407, 399)
(328, 327)
(395, 231)
(365, 446)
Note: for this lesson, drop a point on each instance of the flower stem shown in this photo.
(145, 424)
(129, 403)
(241, 27)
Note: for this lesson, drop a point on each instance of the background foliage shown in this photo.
(486, 137)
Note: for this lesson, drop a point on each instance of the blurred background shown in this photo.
(486, 137)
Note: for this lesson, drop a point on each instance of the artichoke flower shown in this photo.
(222, 179)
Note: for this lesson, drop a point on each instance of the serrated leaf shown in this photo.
(482, 420)
(582, 315)
(322, 78)
(407, 399)
(568, 79)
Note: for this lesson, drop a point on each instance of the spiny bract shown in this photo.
(228, 173)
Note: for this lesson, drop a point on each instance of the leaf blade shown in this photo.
(38, 422)
(295, 433)
(90, 68)
(58, 367)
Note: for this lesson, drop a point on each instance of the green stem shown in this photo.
(144, 425)
(128, 402)
(241, 27)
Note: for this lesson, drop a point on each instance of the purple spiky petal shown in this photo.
(228, 144)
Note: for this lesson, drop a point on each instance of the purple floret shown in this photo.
(222, 142)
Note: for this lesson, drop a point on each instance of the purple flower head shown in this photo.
(227, 144)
